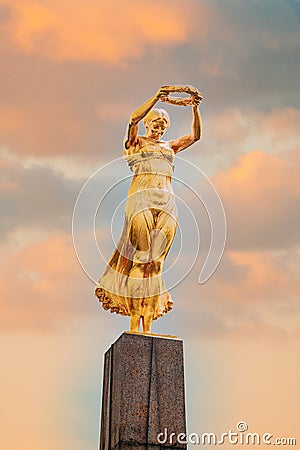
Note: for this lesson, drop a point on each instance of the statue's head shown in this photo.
(156, 122)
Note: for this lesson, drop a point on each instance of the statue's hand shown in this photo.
(163, 92)
(193, 91)
(190, 89)
(196, 99)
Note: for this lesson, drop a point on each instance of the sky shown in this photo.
(71, 74)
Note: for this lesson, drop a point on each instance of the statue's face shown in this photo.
(156, 128)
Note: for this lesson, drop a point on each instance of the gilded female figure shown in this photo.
(132, 283)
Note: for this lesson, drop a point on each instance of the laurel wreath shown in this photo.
(179, 101)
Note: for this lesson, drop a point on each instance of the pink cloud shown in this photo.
(266, 277)
(54, 129)
(234, 131)
(110, 32)
(42, 285)
(261, 194)
(281, 123)
(251, 296)
(228, 126)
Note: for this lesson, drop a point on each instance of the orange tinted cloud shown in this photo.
(261, 194)
(235, 131)
(255, 289)
(42, 285)
(30, 128)
(266, 277)
(253, 294)
(229, 126)
(100, 31)
(257, 172)
(281, 124)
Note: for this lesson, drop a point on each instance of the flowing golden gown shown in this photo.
(151, 201)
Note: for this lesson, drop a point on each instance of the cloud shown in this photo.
(34, 197)
(270, 276)
(261, 195)
(40, 129)
(252, 295)
(255, 289)
(234, 131)
(62, 96)
(110, 32)
(281, 125)
(251, 58)
(42, 286)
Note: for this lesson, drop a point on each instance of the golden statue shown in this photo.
(132, 283)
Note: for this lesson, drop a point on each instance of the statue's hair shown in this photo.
(156, 113)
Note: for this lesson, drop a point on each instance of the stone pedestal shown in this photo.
(143, 394)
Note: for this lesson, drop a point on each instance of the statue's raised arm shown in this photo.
(140, 113)
(183, 142)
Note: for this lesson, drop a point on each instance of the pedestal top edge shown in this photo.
(153, 335)
(127, 334)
